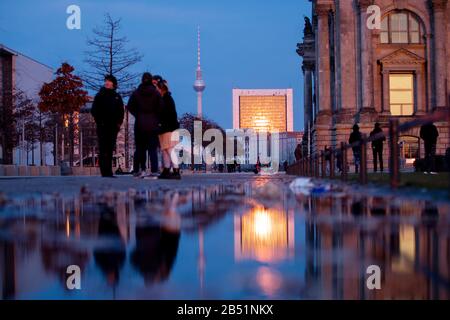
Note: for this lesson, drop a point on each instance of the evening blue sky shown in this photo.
(245, 43)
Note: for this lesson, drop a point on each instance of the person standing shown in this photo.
(108, 112)
(145, 104)
(356, 138)
(377, 147)
(168, 124)
(429, 134)
(298, 152)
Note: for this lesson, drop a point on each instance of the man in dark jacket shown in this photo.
(108, 112)
(377, 146)
(145, 104)
(356, 137)
(429, 133)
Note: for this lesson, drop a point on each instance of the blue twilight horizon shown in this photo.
(245, 44)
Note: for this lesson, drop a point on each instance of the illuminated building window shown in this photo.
(401, 90)
(401, 27)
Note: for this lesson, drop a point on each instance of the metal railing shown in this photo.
(315, 165)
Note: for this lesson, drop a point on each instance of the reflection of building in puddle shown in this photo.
(407, 239)
(269, 280)
(407, 250)
(265, 235)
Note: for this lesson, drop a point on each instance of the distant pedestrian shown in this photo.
(257, 167)
(168, 124)
(298, 152)
(108, 112)
(356, 138)
(327, 152)
(145, 105)
(429, 133)
(377, 147)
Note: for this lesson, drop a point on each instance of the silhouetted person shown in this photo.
(377, 147)
(298, 152)
(108, 112)
(155, 252)
(110, 258)
(167, 125)
(145, 105)
(429, 133)
(257, 167)
(356, 137)
(157, 244)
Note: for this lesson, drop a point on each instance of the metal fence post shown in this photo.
(316, 165)
(363, 166)
(324, 164)
(332, 164)
(394, 160)
(343, 162)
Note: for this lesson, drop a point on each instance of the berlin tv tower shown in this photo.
(199, 84)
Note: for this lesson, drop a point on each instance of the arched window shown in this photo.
(401, 27)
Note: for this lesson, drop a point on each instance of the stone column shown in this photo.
(323, 125)
(366, 58)
(440, 37)
(421, 96)
(323, 46)
(308, 93)
(386, 108)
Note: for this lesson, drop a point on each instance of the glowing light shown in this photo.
(264, 234)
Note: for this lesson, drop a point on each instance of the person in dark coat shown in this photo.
(356, 137)
(108, 112)
(377, 147)
(168, 124)
(145, 104)
(429, 134)
(298, 152)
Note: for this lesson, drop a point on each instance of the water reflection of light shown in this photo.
(407, 244)
(67, 226)
(269, 280)
(263, 224)
(266, 235)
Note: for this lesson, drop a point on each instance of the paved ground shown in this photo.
(69, 185)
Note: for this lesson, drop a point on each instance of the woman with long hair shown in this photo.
(168, 124)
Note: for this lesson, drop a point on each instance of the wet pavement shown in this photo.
(218, 237)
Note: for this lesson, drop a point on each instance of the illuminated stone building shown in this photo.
(355, 74)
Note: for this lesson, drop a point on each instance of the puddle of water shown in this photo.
(248, 240)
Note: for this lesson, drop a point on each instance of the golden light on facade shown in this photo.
(265, 235)
(263, 113)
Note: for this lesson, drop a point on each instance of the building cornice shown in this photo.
(323, 8)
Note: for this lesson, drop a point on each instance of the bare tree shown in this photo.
(108, 54)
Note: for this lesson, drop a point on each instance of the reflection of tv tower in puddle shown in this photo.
(199, 84)
(201, 258)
